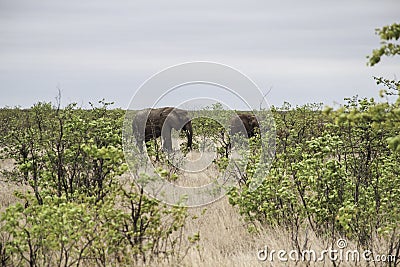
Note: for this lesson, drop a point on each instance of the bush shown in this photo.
(80, 212)
(334, 172)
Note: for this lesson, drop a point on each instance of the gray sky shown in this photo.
(306, 51)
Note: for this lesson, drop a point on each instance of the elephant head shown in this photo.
(159, 122)
(177, 119)
(245, 121)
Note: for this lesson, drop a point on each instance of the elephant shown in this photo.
(244, 121)
(152, 123)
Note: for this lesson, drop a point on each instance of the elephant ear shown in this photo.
(177, 118)
(183, 114)
(255, 122)
(164, 112)
(179, 113)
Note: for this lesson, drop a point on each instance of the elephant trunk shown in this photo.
(189, 134)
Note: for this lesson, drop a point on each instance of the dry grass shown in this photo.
(226, 241)
(224, 238)
(7, 196)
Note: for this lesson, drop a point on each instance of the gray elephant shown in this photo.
(244, 122)
(152, 123)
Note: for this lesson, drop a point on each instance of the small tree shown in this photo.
(388, 34)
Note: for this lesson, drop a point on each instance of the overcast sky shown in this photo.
(303, 51)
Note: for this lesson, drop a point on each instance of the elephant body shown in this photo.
(152, 123)
(244, 121)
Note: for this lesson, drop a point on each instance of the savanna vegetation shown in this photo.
(335, 174)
